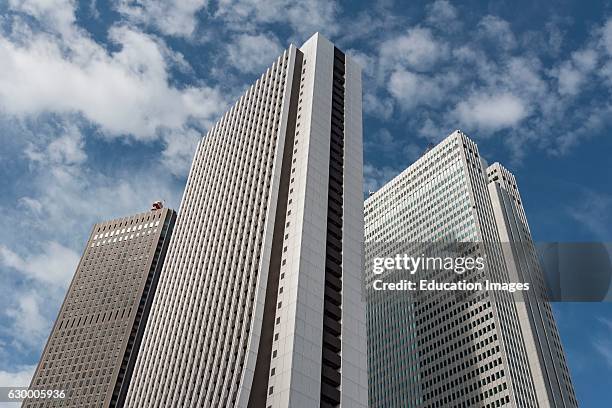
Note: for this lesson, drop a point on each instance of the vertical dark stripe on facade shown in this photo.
(332, 314)
(142, 314)
(259, 389)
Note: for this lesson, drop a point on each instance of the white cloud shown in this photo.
(377, 105)
(488, 84)
(570, 80)
(254, 53)
(66, 149)
(304, 17)
(31, 204)
(376, 177)
(442, 14)
(42, 235)
(490, 113)
(179, 150)
(364, 60)
(65, 194)
(170, 17)
(604, 348)
(54, 265)
(374, 103)
(602, 344)
(474, 63)
(126, 92)
(75, 199)
(433, 130)
(416, 49)
(607, 323)
(586, 123)
(367, 24)
(28, 321)
(53, 14)
(383, 137)
(382, 141)
(57, 82)
(585, 60)
(403, 64)
(497, 30)
(572, 75)
(593, 213)
(522, 75)
(21, 377)
(412, 89)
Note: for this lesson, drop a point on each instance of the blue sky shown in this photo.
(102, 103)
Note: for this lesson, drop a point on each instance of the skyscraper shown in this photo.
(93, 346)
(545, 354)
(480, 348)
(259, 303)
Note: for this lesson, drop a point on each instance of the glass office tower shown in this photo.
(477, 348)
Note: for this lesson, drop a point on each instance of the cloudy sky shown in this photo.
(102, 103)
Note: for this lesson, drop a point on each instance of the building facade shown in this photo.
(260, 302)
(545, 354)
(482, 348)
(94, 342)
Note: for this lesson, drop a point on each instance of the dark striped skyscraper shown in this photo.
(94, 343)
(259, 303)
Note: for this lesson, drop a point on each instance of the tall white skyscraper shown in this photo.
(478, 348)
(259, 303)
